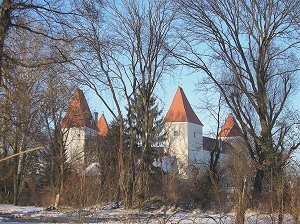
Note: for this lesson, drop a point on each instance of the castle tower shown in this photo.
(78, 126)
(231, 133)
(102, 126)
(230, 128)
(184, 138)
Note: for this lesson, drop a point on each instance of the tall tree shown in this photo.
(145, 151)
(54, 102)
(23, 101)
(248, 50)
(123, 55)
(33, 37)
(23, 120)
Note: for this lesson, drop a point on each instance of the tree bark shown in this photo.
(257, 186)
(5, 22)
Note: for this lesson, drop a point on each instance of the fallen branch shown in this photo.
(20, 153)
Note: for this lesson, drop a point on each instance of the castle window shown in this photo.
(176, 133)
(194, 134)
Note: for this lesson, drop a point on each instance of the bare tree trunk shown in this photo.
(141, 194)
(15, 180)
(258, 183)
(5, 22)
(16, 162)
(125, 171)
(241, 207)
(294, 192)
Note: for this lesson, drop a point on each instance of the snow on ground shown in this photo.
(108, 214)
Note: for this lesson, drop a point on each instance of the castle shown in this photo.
(81, 129)
(184, 141)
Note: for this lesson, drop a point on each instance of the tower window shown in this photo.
(194, 134)
(176, 133)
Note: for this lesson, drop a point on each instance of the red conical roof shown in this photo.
(102, 126)
(181, 110)
(78, 113)
(230, 128)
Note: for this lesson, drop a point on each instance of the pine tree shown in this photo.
(146, 122)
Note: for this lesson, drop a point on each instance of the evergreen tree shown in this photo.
(154, 127)
(146, 121)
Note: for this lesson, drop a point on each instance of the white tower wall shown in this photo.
(195, 144)
(75, 138)
(185, 141)
(176, 143)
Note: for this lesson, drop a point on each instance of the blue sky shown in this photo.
(170, 84)
(188, 84)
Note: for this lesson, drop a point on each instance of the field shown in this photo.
(108, 214)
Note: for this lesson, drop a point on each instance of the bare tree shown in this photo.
(23, 120)
(124, 54)
(24, 99)
(247, 49)
(240, 169)
(54, 101)
(50, 20)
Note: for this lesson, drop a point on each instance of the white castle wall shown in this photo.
(75, 143)
(185, 141)
(236, 142)
(195, 144)
(176, 143)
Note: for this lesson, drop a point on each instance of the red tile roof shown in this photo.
(102, 126)
(181, 110)
(230, 128)
(78, 113)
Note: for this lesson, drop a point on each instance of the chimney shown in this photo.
(96, 118)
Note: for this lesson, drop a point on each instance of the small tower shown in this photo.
(102, 126)
(230, 128)
(231, 133)
(184, 138)
(78, 126)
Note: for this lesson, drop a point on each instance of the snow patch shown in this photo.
(165, 163)
(92, 170)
